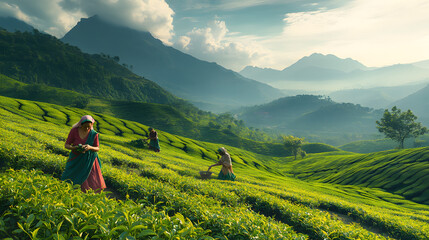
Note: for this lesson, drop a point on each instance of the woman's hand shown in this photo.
(85, 148)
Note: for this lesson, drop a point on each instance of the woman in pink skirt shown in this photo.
(83, 165)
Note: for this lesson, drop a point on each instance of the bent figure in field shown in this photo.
(154, 141)
(226, 173)
(83, 165)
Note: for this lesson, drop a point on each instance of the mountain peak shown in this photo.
(180, 73)
(328, 61)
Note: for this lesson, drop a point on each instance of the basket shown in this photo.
(205, 174)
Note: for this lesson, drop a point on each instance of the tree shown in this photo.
(399, 125)
(293, 144)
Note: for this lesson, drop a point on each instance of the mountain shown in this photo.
(203, 83)
(422, 64)
(326, 62)
(417, 102)
(379, 97)
(326, 72)
(315, 66)
(310, 115)
(12, 25)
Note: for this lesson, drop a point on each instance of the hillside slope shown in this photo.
(38, 58)
(403, 172)
(166, 185)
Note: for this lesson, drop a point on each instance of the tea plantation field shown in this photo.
(332, 195)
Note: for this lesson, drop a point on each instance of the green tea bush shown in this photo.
(35, 206)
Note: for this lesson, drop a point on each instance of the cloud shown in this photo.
(57, 17)
(214, 43)
(229, 5)
(376, 33)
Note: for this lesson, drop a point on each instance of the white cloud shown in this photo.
(214, 43)
(57, 17)
(376, 33)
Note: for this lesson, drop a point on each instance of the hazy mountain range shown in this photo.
(208, 85)
(378, 97)
(327, 73)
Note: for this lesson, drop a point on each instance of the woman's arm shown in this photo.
(216, 164)
(90, 148)
(70, 147)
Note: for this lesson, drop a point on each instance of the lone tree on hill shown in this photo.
(294, 145)
(399, 125)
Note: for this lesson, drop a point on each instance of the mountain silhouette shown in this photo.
(328, 73)
(315, 66)
(205, 84)
(11, 24)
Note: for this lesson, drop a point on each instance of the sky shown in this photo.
(267, 34)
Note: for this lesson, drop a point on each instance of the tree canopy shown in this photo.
(399, 125)
(294, 145)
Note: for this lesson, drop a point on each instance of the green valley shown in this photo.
(330, 194)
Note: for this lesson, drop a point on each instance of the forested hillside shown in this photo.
(38, 58)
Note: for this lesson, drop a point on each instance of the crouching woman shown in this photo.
(226, 173)
(83, 165)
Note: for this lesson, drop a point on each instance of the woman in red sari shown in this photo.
(83, 165)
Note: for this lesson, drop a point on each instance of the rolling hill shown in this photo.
(163, 196)
(307, 115)
(400, 172)
(207, 85)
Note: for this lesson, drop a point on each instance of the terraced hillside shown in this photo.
(162, 196)
(402, 172)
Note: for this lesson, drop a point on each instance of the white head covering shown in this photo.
(86, 118)
(221, 150)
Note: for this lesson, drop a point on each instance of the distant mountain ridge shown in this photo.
(307, 68)
(177, 72)
(328, 61)
(378, 97)
(325, 72)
